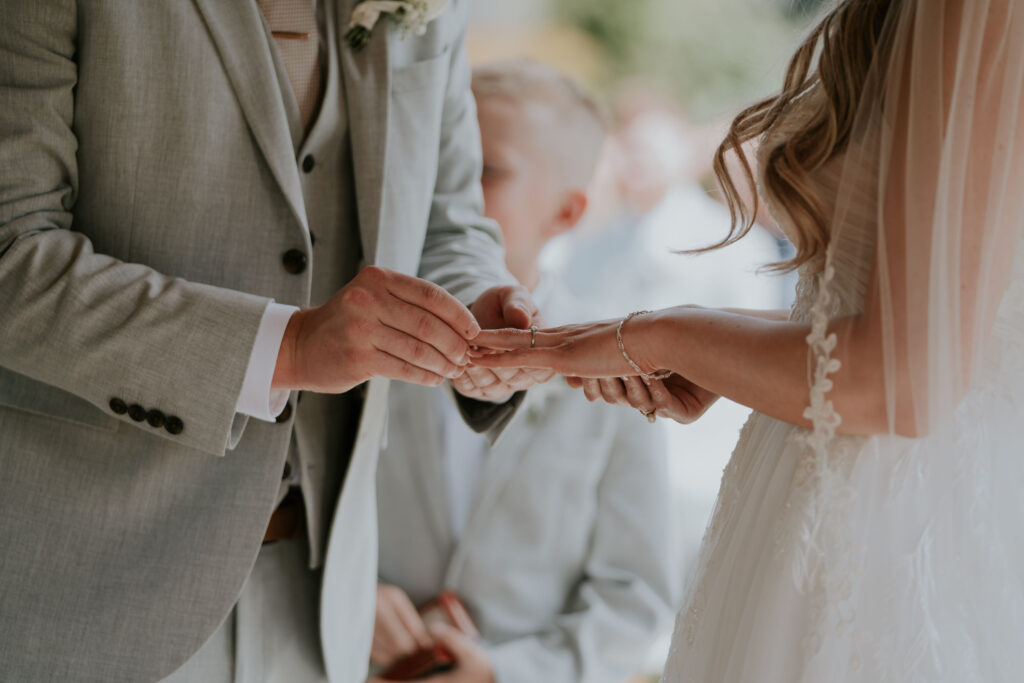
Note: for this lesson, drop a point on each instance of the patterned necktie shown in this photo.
(294, 27)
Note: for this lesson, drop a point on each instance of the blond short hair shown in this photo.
(581, 119)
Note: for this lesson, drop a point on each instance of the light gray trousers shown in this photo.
(271, 636)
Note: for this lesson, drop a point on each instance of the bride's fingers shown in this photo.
(613, 391)
(502, 340)
(514, 340)
(637, 394)
(592, 389)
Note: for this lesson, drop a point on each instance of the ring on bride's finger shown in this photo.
(533, 336)
(651, 415)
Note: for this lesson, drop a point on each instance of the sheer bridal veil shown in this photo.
(932, 194)
(886, 544)
(926, 240)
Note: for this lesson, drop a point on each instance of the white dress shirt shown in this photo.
(256, 398)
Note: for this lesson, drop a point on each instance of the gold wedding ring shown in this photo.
(651, 415)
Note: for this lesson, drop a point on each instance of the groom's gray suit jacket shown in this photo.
(150, 188)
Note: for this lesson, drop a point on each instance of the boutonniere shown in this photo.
(412, 15)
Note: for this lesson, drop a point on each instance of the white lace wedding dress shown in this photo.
(900, 563)
(879, 559)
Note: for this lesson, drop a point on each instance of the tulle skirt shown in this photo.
(894, 560)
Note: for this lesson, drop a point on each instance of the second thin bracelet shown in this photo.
(622, 347)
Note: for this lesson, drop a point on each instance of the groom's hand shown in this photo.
(505, 306)
(382, 323)
(499, 308)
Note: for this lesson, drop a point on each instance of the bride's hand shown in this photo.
(674, 397)
(588, 355)
(584, 350)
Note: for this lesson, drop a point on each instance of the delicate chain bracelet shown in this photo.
(622, 347)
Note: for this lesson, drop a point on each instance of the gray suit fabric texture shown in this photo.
(271, 635)
(149, 186)
(567, 564)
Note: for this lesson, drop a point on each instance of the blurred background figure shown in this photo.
(557, 539)
(629, 257)
(673, 74)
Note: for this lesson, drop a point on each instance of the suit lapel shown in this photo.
(241, 39)
(366, 75)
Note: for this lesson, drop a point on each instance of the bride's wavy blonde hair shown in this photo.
(845, 43)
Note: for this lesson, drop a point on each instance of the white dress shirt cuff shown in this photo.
(257, 398)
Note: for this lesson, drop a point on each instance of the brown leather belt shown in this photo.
(288, 520)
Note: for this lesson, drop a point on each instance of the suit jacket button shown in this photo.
(155, 418)
(174, 425)
(287, 474)
(118, 406)
(308, 163)
(294, 261)
(286, 413)
(136, 412)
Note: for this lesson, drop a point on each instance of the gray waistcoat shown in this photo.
(324, 424)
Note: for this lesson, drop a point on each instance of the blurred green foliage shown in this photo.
(714, 56)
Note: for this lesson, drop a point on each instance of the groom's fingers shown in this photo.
(481, 384)
(539, 375)
(482, 378)
(517, 308)
(414, 351)
(433, 299)
(497, 384)
(549, 358)
(394, 367)
(426, 328)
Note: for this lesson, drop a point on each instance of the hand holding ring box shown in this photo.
(446, 608)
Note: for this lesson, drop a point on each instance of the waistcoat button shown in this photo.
(294, 261)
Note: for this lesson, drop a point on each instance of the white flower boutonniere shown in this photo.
(412, 15)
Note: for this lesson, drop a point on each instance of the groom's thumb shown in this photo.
(517, 308)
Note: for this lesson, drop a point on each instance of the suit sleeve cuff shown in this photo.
(257, 399)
